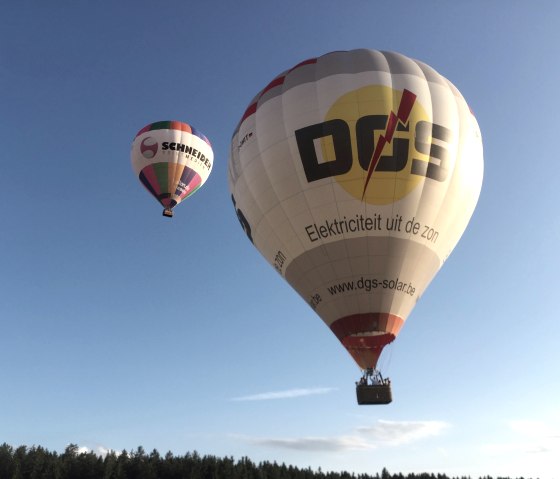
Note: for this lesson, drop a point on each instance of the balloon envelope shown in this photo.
(172, 160)
(355, 174)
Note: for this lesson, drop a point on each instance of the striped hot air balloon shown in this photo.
(172, 160)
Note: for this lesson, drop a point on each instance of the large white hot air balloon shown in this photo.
(355, 174)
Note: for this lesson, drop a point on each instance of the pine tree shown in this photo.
(6, 461)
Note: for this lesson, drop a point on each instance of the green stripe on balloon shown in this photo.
(162, 175)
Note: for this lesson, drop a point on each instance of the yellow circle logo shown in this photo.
(381, 123)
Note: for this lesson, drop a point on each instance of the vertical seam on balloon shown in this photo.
(366, 205)
(390, 244)
(332, 182)
(298, 177)
(264, 214)
(458, 151)
(173, 177)
(424, 180)
(453, 154)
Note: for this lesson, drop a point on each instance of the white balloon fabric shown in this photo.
(355, 174)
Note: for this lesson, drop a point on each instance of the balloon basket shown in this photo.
(374, 394)
(168, 213)
(373, 388)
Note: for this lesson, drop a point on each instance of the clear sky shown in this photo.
(121, 328)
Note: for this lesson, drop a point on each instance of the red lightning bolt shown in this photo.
(405, 106)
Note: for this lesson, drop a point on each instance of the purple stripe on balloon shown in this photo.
(149, 179)
(198, 133)
(191, 179)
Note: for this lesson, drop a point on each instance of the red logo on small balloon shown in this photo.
(148, 147)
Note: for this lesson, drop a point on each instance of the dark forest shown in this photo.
(37, 462)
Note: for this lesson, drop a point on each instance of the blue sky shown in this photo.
(120, 328)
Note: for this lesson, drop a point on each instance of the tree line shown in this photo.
(38, 463)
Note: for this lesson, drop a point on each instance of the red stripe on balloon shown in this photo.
(151, 178)
(367, 323)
